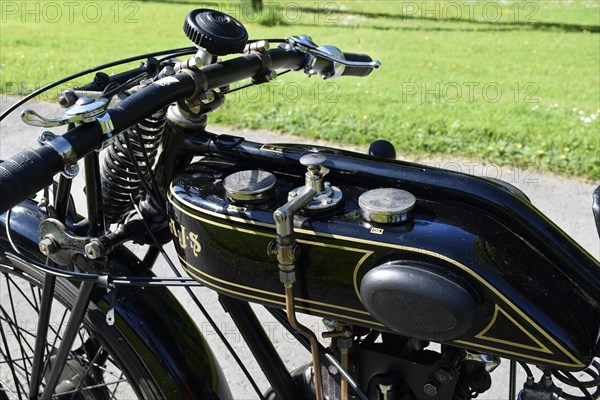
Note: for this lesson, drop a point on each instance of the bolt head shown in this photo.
(46, 137)
(196, 62)
(207, 97)
(66, 99)
(444, 375)
(48, 246)
(329, 323)
(279, 217)
(430, 389)
(72, 170)
(167, 71)
(271, 76)
(94, 250)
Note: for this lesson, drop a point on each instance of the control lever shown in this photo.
(287, 251)
(316, 171)
(329, 61)
(306, 44)
(85, 109)
(326, 196)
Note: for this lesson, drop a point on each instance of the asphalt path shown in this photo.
(566, 201)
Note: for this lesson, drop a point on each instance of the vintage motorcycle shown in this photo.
(393, 255)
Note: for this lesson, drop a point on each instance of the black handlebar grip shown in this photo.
(357, 71)
(26, 173)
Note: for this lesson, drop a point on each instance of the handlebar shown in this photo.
(31, 170)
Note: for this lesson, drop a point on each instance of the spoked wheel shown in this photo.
(100, 365)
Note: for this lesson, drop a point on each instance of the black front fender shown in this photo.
(151, 319)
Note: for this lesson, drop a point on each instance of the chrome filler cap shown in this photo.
(250, 185)
(387, 205)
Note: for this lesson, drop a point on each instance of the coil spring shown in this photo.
(119, 176)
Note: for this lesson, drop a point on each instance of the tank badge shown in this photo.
(186, 239)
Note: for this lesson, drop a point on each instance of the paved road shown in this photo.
(566, 201)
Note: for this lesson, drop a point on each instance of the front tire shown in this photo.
(102, 365)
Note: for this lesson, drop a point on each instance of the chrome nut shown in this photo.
(271, 76)
(94, 249)
(67, 98)
(287, 277)
(48, 246)
(207, 97)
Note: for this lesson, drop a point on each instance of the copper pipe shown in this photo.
(344, 382)
(312, 338)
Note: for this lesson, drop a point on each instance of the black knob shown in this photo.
(216, 32)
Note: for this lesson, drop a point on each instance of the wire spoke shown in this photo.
(25, 297)
(6, 389)
(8, 356)
(117, 386)
(35, 299)
(97, 370)
(87, 371)
(91, 387)
(56, 337)
(19, 335)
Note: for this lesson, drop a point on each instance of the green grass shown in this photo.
(428, 97)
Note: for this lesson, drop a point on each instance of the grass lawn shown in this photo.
(504, 82)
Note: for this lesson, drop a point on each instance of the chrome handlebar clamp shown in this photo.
(64, 149)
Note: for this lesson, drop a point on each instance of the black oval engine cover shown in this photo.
(416, 301)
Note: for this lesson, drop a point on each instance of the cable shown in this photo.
(8, 235)
(578, 384)
(568, 379)
(527, 370)
(170, 53)
(126, 85)
(190, 50)
(247, 85)
(82, 73)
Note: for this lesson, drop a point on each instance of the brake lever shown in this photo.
(85, 109)
(306, 44)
